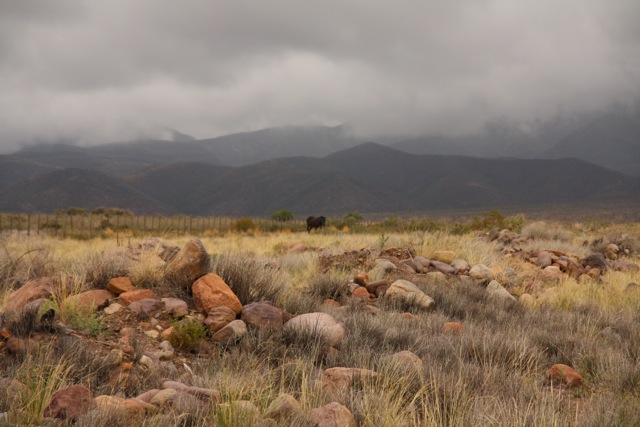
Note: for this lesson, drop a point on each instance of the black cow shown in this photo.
(315, 222)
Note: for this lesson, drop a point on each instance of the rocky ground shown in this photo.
(142, 360)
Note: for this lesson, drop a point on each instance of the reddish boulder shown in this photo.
(137, 295)
(71, 402)
(453, 328)
(31, 291)
(210, 291)
(218, 318)
(89, 300)
(191, 263)
(119, 285)
(332, 415)
(565, 374)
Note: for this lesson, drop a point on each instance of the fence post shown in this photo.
(28, 225)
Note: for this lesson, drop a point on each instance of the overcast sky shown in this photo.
(99, 71)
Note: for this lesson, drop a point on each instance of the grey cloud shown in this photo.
(100, 71)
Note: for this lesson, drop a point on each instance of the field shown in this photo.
(476, 358)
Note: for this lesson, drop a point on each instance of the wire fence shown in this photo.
(91, 225)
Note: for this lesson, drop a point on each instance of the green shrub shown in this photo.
(244, 224)
(282, 215)
(187, 334)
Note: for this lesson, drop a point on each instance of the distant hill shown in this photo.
(14, 170)
(61, 189)
(611, 141)
(367, 178)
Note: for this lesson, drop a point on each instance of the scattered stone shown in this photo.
(407, 363)
(11, 393)
(262, 315)
(461, 265)
(544, 259)
(552, 274)
(147, 307)
(147, 396)
(443, 267)
(360, 294)
(177, 307)
(595, 261)
(231, 333)
(210, 291)
(497, 291)
(190, 264)
(152, 334)
(611, 251)
(161, 398)
(454, 328)
(94, 299)
(565, 374)
(120, 285)
(626, 266)
(113, 308)
(137, 295)
(361, 279)
(283, 408)
(481, 274)
(444, 256)
(384, 265)
(336, 380)
(332, 415)
(374, 286)
(16, 346)
(218, 318)
(70, 402)
(407, 292)
(594, 273)
(415, 267)
(31, 291)
(330, 330)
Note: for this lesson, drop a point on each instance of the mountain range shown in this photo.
(310, 169)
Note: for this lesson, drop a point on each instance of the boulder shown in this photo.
(137, 295)
(374, 286)
(90, 300)
(70, 403)
(497, 291)
(443, 267)
(331, 331)
(337, 380)
(283, 408)
(231, 333)
(147, 307)
(461, 265)
(31, 291)
(332, 415)
(444, 256)
(262, 315)
(175, 306)
(11, 393)
(611, 251)
(218, 318)
(407, 292)
(406, 363)
(552, 274)
(210, 291)
(544, 259)
(565, 374)
(480, 273)
(454, 328)
(361, 279)
(119, 285)
(595, 261)
(625, 266)
(360, 294)
(191, 263)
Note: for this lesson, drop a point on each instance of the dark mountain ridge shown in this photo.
(366, 178)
